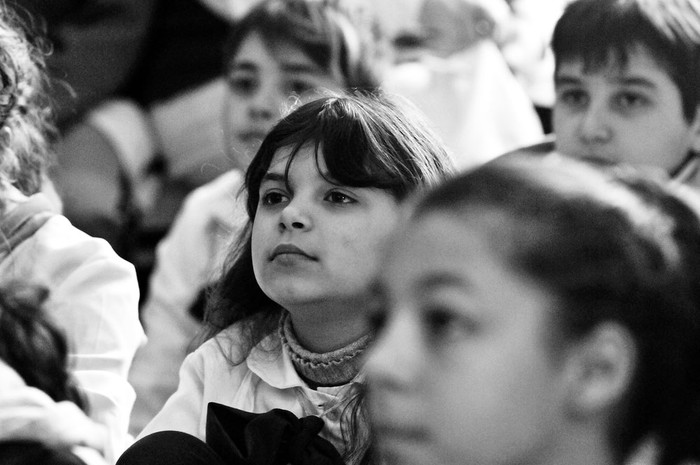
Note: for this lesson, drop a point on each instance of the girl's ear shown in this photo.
(599, 370)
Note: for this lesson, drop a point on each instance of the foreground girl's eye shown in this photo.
(339, 197)
(443, 325)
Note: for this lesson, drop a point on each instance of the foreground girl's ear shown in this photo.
(600, 369)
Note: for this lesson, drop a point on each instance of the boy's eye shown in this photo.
(572, 97)
(242, 84)
(339, 197)
(630, 100)
(272, 198)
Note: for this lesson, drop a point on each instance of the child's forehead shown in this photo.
(612, 61)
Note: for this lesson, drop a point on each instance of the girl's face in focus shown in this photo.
(263, 82)
(461, 371)
(316, 244)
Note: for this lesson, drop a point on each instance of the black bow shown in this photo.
(276, 437)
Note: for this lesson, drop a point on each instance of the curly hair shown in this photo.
(26, 117)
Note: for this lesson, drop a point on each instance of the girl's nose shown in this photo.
(265, 105)
(394, 361)
(293, 217)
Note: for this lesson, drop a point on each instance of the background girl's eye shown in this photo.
(242, 85)
(299, 87)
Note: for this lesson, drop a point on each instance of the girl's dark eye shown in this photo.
(299, 87)
(437, 322)
(272, 198)
(242, 85)
(377, 320)
(339, 197)
(443, 325)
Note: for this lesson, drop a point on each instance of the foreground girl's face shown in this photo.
(316, 243)
(460, 372)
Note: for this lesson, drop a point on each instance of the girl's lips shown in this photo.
(288, 249)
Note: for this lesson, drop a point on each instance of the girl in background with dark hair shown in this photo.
(283, 52)
(288, 315)
(552, 314)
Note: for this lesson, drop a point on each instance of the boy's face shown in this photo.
(631, 114)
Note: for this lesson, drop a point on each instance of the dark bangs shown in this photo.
(323, 32)
(362, 145)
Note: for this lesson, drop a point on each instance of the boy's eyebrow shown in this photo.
(635, 81)
(566, 79)
(626, 80)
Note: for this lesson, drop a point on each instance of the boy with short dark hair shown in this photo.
(627, 82)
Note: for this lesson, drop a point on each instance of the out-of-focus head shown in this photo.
(533, 297)
(283, 52)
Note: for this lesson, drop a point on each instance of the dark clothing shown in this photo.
(236, 437)
(34, 453)
(95, 47)
(184, 49)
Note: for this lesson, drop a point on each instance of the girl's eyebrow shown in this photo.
(635, 81)
(301, 68)
(243, 66)
(440, 279)
(273, 177)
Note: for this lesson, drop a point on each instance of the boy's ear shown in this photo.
(599, 370)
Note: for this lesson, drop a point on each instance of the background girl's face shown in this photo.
(263, 83)
(461, 372)
(631, 114)
(315, 243)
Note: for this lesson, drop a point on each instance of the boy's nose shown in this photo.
(594, 127)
